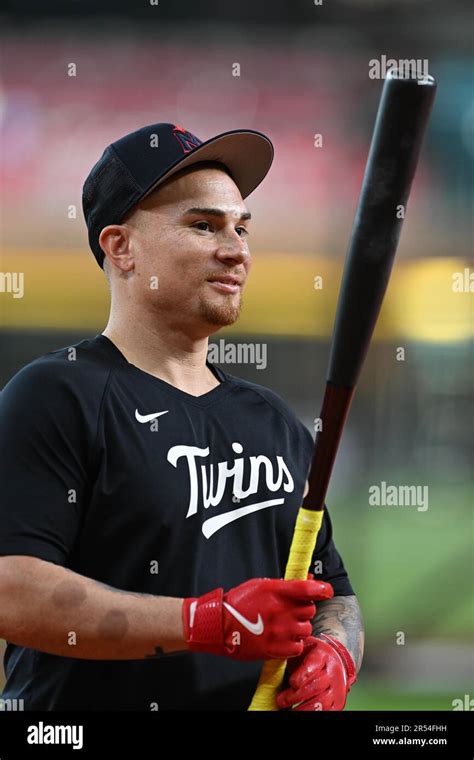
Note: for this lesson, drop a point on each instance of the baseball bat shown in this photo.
(402, 116)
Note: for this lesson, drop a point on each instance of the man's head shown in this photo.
(166, 212)
(182, 253)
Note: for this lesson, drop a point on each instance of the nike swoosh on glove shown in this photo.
(262, 619)
(320, 678)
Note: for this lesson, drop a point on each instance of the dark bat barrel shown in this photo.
(400, 124)
(399, 127)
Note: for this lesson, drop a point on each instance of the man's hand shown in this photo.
(261, 619)
(320, 678)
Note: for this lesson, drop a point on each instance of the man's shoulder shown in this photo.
(77, 367)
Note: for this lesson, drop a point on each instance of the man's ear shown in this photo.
(115, 243)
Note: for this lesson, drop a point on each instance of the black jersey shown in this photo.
(121, 477)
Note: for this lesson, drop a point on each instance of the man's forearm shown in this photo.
(52, 609)
(341, 617)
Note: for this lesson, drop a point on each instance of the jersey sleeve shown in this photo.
(47, 430)
(328, 562)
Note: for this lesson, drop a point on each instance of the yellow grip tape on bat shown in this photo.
(308, 523)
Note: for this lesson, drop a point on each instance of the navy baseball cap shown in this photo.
(136, 164)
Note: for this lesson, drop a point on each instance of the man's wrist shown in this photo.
(344, 654)
(203, 621)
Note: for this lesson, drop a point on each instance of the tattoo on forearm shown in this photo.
(157, 653)
(341, 617)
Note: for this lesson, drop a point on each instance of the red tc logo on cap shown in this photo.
(186, 140)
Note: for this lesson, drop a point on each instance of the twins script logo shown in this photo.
(208, 482)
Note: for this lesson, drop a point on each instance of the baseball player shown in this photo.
(149, 498)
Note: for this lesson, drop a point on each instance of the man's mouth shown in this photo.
(226, 283)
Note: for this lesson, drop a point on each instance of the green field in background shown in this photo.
(378, 697)
(412, 571)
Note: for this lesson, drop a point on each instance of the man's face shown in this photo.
(191, 234)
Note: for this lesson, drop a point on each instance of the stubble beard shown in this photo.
(223, 314)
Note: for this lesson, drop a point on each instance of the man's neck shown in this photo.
(179, 363)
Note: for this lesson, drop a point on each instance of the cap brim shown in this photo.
(247, 154)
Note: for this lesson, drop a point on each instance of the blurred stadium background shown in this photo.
(303, 71)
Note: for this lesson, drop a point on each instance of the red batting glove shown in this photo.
(261, 619)
(320, 679)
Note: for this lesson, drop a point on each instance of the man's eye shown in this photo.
(204, 226)
(242, 231)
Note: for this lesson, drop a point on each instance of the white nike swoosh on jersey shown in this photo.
(148, 417)
(255, 628)
(211, 526)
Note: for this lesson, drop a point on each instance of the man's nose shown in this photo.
(233, 249)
